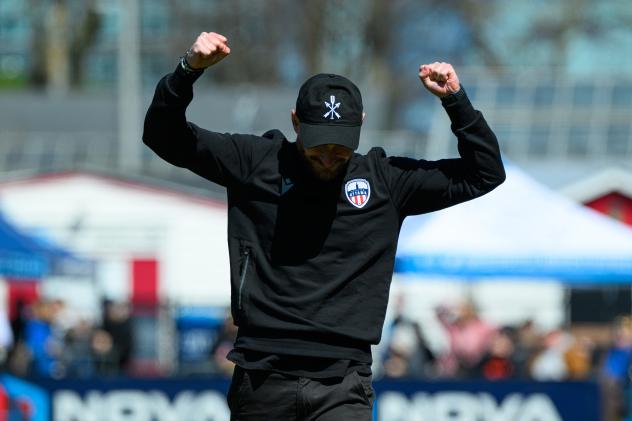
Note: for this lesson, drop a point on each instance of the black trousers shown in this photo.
(257, 395)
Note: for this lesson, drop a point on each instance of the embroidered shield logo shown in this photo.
(358, 192)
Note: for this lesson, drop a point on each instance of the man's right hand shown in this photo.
(208, 49)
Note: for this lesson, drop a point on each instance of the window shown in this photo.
(543, 95)
(154, 18)
(578, 141)
(506, 94)
(622, 96)
(618, 140)
(583, 95)
(538, 141)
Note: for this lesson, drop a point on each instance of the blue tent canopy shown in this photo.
(62, 262)
(521, 229)
(20, 257)
(29, 256)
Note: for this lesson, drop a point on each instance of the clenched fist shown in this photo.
(208, 49)
(439, 78)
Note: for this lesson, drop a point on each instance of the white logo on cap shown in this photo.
(332, 108)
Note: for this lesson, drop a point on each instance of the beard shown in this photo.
(317, 171)
(324, 174)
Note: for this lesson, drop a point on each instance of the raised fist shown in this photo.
(208, 49)
(439, 78)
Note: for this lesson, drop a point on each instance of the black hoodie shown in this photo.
(311, 262)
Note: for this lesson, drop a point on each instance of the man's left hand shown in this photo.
(439, 78)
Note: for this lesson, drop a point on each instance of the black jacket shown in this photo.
(310, 270)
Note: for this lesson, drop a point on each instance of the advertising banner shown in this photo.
(22, 401)
(205, 400)
(487, 401)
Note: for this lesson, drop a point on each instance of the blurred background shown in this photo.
(113, 263)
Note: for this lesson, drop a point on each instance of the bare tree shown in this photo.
(57, 48)
(60, 43)
(309, 29)
(325, 35)
(83, 37)
(37, 70)
(255, 31)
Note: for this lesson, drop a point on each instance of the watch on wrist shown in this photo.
(186, 67)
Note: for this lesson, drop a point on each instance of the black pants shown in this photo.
(257, 395)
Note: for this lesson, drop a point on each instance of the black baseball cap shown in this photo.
(329, 108)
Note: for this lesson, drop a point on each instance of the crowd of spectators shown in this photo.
(478, 349)
(47, 339)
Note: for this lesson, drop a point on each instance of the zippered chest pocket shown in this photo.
(245, 254)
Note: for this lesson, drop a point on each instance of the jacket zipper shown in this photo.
(244, 271)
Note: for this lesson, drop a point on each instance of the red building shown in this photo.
(608, 192)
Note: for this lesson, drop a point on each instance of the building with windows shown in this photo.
(559, 127)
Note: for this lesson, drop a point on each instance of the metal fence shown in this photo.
(536, 121)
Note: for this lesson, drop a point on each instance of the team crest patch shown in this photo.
(358, 192)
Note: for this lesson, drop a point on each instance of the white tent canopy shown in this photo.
(520, 229)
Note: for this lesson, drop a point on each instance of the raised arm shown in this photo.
(215, 156)
(419, 186)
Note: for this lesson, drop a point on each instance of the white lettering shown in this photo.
(136, 405)
(393, 406)
(456, 406)
(508, 409)
(127, 405)
(207, 408)
(68, 406)
(539, 408)
(464, 406)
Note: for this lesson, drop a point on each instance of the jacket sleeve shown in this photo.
(420, 186)
(219, 157)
